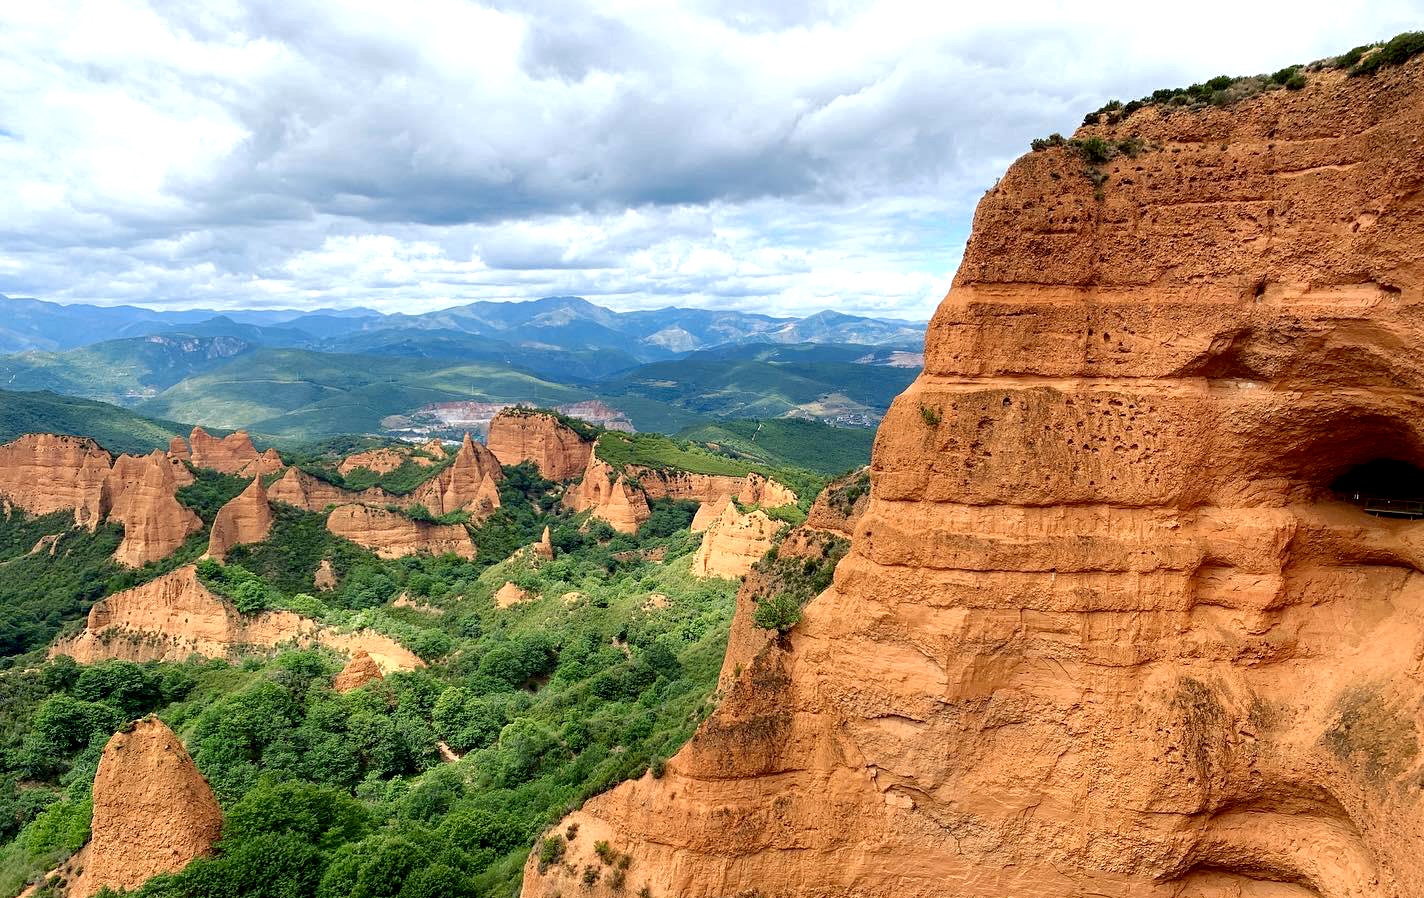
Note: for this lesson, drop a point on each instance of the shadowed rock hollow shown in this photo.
(1105, 629)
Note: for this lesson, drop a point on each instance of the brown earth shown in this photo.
(325, 577)
(361, 670)
(509, 595)
(246, 518)
(153, 811)
(175, 616)
(517, 435)
(391, 534)
(733, 543)
(1104, 629)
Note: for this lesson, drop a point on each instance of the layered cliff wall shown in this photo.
(1104, 628)
(517, 435)
(175, 616)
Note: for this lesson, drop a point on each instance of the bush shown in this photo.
(1396, 51)
(551, 851)
(929, 415)
(780, 612)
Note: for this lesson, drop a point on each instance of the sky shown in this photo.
(780, 157)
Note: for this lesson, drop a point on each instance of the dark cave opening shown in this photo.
(1385, 487)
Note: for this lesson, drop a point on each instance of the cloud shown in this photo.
(781, 156)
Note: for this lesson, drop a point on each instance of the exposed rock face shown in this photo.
(752, 489)
(44, 473)
(267, 463)
(1102, 630)
(297, 487)
(140, 493)
(470, 483)
(509, 594)
(517, 435)
(759, 490)
(709, 512)
(733, 543)
(325, 577)
(392, 535)
(175, 616)
(230, 455)
(381, 461)
(609, 496)
(361, 670)
(153, 811)
(544, 548)
(841, 504)
(247, 518)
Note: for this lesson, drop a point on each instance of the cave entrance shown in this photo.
(1384, 487)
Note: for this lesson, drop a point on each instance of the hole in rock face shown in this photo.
(1385, 487)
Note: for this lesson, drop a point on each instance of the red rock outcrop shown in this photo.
(269, 462)
(246, 518)
(763, 491)
(230, 455)
(141, 493)
(609, 496)
(544, 548)
(733, 543)
(753, 489)
(174, 616)
(381, 461)
(153, 811)
(361, 670)
(708, 512)
(509, 595)
(470, 483)
(297, 487)
(1103, 630)
(517, 435)
(391, 534)
(325, 576)
(44, 473)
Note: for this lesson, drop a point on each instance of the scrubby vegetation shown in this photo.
(543, 704)
(1223, 90)
(787, 443)
(790, 581)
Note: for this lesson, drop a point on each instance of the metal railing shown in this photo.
(1385, 507)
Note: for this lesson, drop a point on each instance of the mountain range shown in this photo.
(293, 375)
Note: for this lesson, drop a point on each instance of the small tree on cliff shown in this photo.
(779, 612)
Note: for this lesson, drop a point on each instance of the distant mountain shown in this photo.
(122, 371)
(557, 323)
(116, 429)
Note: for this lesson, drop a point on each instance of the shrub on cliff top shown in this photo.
(1396, 51)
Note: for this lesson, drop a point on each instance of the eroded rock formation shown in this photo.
(140, 492)
(841, 504)
(232, 454)
(43, 473)
(733, 543)
(391, 534)
(297, 487)
(153, 811)
(175, 616)
(470, 483)
(1104, 629)
(361, 670)
(246, 518)
(609, 496)
(509, 595)
(517, 435)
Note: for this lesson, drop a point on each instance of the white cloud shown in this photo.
(775, 156)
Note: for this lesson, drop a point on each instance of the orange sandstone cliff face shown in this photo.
(557, 451)
(44, 473)
(470, 483)
(392, 535)
(1103, 630)
(609, 496)
(153, 811)
(246, 518)
(733, 543)
(175, 616)
(233, 454)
